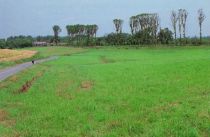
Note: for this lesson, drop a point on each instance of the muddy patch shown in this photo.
(26, 86)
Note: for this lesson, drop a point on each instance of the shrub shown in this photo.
(2, 43)
(19, 42)
(118, 39)
(165, 36)
(195, 41)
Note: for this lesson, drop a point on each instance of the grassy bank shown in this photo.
(111, 92)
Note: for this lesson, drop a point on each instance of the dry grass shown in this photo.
(13, 55)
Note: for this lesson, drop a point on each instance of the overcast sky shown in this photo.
(36, 17)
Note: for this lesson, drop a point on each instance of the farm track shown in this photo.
(5, 73)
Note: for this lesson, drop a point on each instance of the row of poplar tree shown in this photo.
(145, 29)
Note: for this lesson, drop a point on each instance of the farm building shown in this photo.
(39, 43)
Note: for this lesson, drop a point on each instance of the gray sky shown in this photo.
(36, 17)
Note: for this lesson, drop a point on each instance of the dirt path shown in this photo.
(5, 73)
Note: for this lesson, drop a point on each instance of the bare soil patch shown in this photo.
(13, 55)
(86, 85)
(105, 60)
(114, 124)
(167, 106)
(62, 88)
(3, 115)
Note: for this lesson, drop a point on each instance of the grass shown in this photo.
(111, 92)
(44, 52)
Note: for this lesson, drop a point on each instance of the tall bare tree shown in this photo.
(201, 18)
(184, 21)
(118, 25)
(174, 20)
(183, 14)
(180, 24)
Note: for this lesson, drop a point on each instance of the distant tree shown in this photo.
(82, 34)
(2, 43)
(56, 30)
(70, 30)
(144, 36)
(117, 39)
(90, 32)
(201, 18)
(118, 25)
(148, 22)
(174, 20)
(19, 42)
(95, 29)
(165, 36)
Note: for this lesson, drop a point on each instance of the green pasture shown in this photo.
(110, 92)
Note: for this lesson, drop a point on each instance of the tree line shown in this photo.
(145, 29)
(16, 42)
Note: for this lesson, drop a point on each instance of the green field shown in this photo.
(109, 92)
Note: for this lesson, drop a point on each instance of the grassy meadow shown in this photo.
(110, 92)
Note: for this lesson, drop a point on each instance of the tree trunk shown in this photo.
(175, 37)
(200, 34)
(184, 34)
